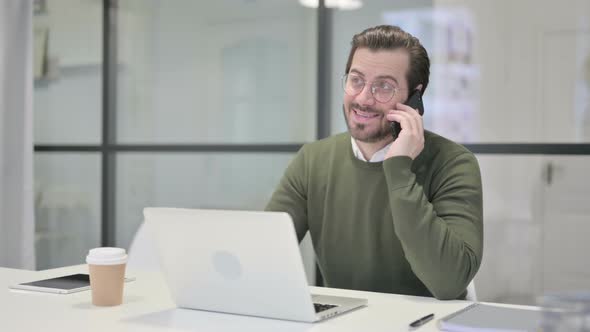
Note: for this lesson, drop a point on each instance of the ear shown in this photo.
(419, 87)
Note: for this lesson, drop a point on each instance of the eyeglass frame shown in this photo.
(343, 84)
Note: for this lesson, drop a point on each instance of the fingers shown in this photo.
(415, 116)
(410, 141)
(404, 120)
(409, 119)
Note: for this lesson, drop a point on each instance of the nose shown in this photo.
(366, 96)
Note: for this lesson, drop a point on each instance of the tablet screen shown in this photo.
(66, 282)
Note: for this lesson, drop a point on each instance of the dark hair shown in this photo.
(389, 37)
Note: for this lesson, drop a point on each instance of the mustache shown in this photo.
(363, 108)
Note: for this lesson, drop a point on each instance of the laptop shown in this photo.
(239, 262)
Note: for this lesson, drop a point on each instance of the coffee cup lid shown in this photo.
(106, 256)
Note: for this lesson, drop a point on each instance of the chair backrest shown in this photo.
(142, 251)
(471, 296)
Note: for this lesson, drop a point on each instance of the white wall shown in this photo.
(16, 136)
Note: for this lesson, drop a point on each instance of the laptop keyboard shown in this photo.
(321, 307)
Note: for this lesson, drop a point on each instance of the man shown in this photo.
(398, 216)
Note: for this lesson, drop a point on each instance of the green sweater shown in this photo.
(397, 226)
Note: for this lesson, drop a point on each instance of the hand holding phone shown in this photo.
(415, 102)
(412, 142)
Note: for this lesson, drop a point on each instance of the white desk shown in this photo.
(148, 307)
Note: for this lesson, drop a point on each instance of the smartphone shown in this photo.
(60, 285)
(415, 102)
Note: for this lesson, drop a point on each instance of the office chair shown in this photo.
(471, 295)
(142, 251)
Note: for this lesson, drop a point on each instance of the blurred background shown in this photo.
(203, 104)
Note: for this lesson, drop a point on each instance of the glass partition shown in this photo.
(216, 72)
(67, 207)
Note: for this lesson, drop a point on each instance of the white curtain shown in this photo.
(17, 226)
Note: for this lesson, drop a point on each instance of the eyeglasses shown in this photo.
(382, 90)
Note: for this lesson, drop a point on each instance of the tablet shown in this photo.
(61, 285)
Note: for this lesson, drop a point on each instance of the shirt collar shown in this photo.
(379, 156)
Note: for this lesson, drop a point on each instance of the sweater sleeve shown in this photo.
(443, 238)
(291, 194)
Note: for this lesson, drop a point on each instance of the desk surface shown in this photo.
(148, 307)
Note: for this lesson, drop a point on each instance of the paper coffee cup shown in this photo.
(107, 275)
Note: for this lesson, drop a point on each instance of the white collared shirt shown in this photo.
(379, 156)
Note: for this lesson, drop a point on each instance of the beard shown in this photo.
(359, 131)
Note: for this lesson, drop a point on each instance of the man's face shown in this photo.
(365, 116)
